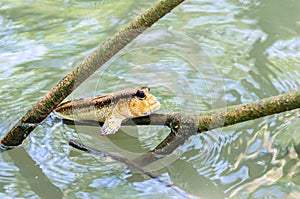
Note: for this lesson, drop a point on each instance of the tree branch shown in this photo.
(106, 51)
(183, 126)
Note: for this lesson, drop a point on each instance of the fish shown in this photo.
(111, 109)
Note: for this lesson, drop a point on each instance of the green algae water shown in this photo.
(201, 56)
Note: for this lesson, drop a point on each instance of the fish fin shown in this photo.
(111, 125)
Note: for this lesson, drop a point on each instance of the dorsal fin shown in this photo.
(98, 101)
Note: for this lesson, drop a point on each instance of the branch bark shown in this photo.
(106, 51)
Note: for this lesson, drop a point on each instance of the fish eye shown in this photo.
(140, 94)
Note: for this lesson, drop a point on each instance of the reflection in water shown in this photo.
(38, 181)
(279, 23)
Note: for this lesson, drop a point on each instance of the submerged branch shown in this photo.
(130, 164)
(106, 51)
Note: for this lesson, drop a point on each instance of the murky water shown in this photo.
(204, 55)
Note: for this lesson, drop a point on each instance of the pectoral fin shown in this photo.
(111, 125)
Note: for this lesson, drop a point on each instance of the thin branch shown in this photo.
(106, 51)
(130, 164)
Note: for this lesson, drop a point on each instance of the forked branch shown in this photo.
(183, 126)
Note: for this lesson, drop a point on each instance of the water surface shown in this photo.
(204, 55)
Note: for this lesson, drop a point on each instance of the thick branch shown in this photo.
(249, 111)
(183, 126)
(238, 113)
(107, 50)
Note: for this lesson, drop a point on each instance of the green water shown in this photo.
(204, 55)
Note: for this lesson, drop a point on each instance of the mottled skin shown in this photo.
(111, 109)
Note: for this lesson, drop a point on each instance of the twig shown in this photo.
(130, 164)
